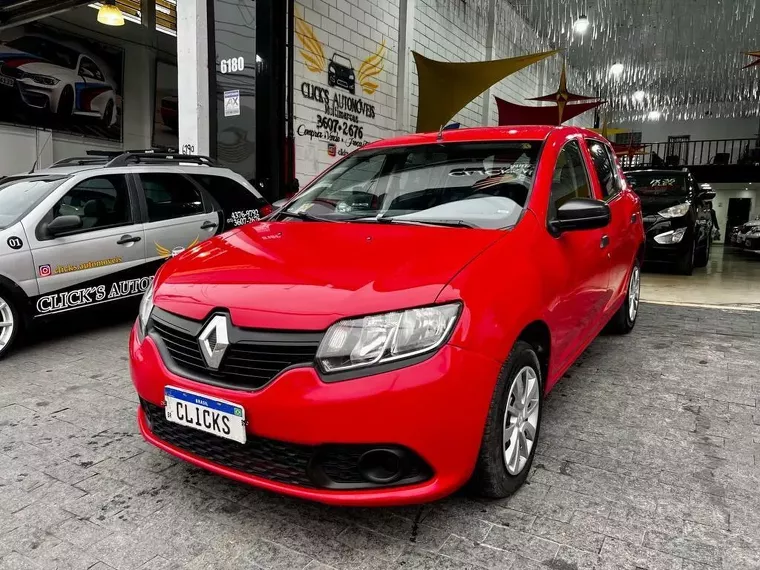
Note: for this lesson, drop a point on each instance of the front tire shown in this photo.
(686, 265)
(512, 426)
(10, 324)
(624, 319)
(703, 257)
(66, 102)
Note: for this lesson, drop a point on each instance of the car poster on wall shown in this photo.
(60, 81)
(166, 120)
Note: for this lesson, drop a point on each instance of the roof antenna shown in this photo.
(440, 134)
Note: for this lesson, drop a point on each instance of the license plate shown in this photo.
(204, 413)
(6, 81)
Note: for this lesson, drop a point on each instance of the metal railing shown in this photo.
(690, 153)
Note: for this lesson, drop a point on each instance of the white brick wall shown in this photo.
(445, 30)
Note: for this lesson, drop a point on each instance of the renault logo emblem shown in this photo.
(214, 341)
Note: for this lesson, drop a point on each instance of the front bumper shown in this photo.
(436, 409)
(751, 243)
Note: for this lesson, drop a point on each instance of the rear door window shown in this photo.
(604, 168)
(170, 196)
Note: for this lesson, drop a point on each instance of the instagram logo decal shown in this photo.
(45, 271)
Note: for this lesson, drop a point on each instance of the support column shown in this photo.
(404, 76)
(486, 106)
(192, 76)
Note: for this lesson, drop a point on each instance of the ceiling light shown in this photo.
(654, 115)
(617, 69)
(639, 96)
(110, 15)
(581, 25)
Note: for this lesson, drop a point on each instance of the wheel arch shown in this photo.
(17, 296)
(538, 335)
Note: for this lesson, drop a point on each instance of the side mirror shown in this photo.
(580, 214)
(279, 203)
(707, 195)
(63, 224)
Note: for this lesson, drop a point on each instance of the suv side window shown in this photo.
(570, 179)
(170, 196)
(100, 202)
(604, 166)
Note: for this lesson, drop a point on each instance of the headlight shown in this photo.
(351, 77)
(675, 211)
(43, 79)
(674, 236)
(146, 308)
(377, 339)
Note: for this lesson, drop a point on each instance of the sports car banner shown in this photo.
(61, 82)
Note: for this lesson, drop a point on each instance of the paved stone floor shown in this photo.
(649, 459)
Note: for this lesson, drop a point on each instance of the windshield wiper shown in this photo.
(304, 216)
(385, 219)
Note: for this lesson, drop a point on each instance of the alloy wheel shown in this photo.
(7, 324)
(634, 292)
(520, 420)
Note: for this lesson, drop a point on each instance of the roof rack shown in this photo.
(151, 157)
(79, 161)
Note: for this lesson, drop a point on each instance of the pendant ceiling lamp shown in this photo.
(109, 14)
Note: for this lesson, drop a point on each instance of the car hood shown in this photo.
(307, 275)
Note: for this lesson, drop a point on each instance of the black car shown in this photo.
(677, 217)
(340, 72)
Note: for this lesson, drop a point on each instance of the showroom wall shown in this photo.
(366, 33)
(701, 129)
(724, 192)
(22, 146)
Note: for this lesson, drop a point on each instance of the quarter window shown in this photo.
(570, 179)
(170, 196)
(604, 167)
(99, 202)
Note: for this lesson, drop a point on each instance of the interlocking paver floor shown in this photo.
(649, 459)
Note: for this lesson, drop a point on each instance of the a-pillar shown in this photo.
(192, 76)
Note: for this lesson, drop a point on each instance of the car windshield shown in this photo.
(341, 60)
(484, 185)
(51, 51)
(658, 183)
(18, 197)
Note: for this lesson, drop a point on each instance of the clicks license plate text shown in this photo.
(204, 413)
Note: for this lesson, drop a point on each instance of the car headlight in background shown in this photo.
(675, 211)
(367, 341)
(674, 236)
(351, 77)
(146, 308)
(43, 79)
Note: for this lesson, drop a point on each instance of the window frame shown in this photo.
(208, 206)
(551, 210)
(41, 233)
(615, 171)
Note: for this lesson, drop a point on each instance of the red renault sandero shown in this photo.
(390, 334)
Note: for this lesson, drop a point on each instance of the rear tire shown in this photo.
(507, 449)
(625, 318)
(686, 265)
(10, 324)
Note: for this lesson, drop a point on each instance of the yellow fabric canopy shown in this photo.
(447, 87)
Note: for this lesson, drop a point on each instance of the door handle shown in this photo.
(128, 239)
(208, 226)
(605, 241)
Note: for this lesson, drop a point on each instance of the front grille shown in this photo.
(251, 361)
(332, 466)
(9, 71)
(267, 458)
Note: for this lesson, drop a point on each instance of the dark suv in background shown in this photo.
(676, 217)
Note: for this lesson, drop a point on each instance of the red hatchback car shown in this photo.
(390, 334)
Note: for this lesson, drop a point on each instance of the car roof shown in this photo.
(481, 134)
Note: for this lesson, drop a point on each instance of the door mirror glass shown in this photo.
(63, 224)
(580, 214)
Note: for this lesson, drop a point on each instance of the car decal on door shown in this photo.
(167, 253)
